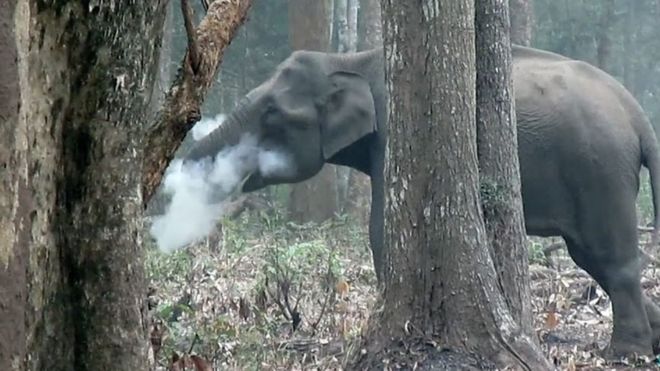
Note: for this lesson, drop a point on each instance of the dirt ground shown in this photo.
(288, 297)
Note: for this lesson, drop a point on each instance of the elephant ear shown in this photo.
(350, 112)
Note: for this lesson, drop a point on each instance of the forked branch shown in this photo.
(182, 107)
(193, 50)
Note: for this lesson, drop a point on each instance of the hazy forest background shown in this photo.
(286, 280)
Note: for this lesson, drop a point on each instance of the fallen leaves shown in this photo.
(189, 362)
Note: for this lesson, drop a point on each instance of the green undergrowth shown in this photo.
(268, 294)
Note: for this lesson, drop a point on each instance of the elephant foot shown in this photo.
(617, 350)
(653, 313)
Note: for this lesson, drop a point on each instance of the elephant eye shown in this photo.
(270, 110)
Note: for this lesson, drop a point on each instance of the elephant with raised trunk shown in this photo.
(582, 141)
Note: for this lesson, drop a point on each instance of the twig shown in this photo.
(205, 5)
(193, 50)
(329, 294)
(194, 341)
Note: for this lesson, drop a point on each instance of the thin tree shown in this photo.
(522, 21)
(370, 24)
(440, 285)
(498, 159)
(604, 41)
(310, 28)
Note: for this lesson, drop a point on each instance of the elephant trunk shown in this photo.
(229, 133)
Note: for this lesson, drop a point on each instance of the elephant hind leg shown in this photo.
(653, 314)
(616, 268)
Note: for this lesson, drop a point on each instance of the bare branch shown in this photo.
(641, 228)
(193, 50)
(182, 107)
(205, 5)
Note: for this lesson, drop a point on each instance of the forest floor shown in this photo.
(273, 295)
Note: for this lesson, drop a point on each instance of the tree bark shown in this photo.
(182, 108)
(498, 159)
(522, 21)
(440, 282)
(370, 24)
(73, 226)
(341, 15)
(352, 18)
(603, 37)
(14, 200)
(310, 29)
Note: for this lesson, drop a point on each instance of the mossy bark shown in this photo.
(499, 168)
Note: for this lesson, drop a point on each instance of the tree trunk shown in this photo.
(498, 159)
(370, 25)
(76, 297)
(440, 282)
(341, 16)
(352, 18)
(310, 29)
(14, 198)
(522, 21)
(603, 37)
(164, 79)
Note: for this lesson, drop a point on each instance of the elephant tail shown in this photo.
(651, 160)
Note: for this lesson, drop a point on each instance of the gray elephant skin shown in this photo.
(582, 139)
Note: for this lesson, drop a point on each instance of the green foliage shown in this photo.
(493, 196)
(261, 259)
(163, 266)
(535, 252)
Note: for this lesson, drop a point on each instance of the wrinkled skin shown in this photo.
(582, 141)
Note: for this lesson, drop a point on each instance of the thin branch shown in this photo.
(205, 5)
(193, 49)
(330, 292)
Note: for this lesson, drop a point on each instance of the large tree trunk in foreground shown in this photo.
(498, 159)
(76, 298)
(14, 211)
(440, 282)
(310, 29)
(522, 21)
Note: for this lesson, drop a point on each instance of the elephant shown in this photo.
(582, 139)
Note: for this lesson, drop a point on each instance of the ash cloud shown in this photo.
(199, 189)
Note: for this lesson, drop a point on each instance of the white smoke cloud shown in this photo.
(199, 188)
(206, 125)
(274, 163)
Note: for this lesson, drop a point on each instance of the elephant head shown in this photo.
(313, 106)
